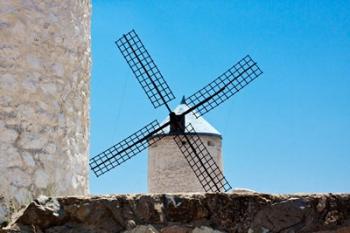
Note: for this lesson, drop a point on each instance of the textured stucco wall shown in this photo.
(168, 170)
(44, 97)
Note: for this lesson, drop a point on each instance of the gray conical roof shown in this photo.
(200, 125)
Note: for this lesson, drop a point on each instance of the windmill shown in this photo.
(157, 90)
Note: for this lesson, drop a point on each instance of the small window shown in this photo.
(211, 143)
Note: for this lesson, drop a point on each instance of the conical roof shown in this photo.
(200, 125)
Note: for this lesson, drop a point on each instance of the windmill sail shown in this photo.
(202, 163)
(145, 70)
(225, 86)
(126, 149)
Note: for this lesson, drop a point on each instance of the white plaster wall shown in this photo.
(168, 170)
(44, 97)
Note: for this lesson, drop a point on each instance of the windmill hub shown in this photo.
(177, 123)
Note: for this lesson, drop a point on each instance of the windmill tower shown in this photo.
(44, 100)
(168, 169)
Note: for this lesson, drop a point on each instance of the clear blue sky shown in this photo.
(288, 131)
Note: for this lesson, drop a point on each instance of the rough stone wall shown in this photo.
(190, 213)
(168, 170)
(44, 95)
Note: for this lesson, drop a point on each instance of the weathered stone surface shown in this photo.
(43, 212)
(204, 229)
(176, 229)
(3, 209)
(143, 229)
(187, 213)
(44, 95)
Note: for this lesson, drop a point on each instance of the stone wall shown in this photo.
(44, 95)
(190, 213)
(168, 170)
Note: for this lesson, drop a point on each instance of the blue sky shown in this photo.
(287, 132)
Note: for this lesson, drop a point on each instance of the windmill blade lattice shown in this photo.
(202, 163)
(145, 70)
(126, 149)
(225, 86)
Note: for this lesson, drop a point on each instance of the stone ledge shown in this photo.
(185, 213)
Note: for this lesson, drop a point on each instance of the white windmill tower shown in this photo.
(44, 100)
(168, 169)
